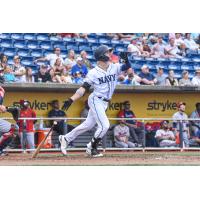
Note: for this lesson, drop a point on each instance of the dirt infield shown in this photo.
(110, 158)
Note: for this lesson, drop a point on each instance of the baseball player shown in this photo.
(6, 129)
(103, 78)
(164, 136)
(181, 124)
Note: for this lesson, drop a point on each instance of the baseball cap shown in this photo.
(181, 103)
(79, 58)
(164, 122)
(144, 67)
(16, 57)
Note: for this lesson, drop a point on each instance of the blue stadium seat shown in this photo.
(45, 45)
(23, 52)
(104, 41)
(187, 67)
(66, 39)
(10, 61)
(5, 36)
(85, 48)
(29, 36)
(115, 42)
(120, 49)
(31, 44)
(92, 35)
(6, 43)
(174, 67)
(26, 62)
(196, 67)
(55, 38)
(92, 40)
(21, 44)
(37, 53)
(80, 40)
(196, 60)
(10, 52)
(93, 47)
(59, 44)
(17, 36)
(42, 37)
(75, 48)
(125, 42)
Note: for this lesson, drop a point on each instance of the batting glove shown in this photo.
(67, 104)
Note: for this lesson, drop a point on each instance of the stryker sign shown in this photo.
(163, 106)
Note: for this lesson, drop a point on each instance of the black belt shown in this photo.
(104, 99)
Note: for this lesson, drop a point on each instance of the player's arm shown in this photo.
(77, 95)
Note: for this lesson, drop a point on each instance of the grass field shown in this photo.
(119, 158)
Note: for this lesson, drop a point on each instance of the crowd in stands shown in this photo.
(157, 59)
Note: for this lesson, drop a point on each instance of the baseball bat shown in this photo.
(43, 141)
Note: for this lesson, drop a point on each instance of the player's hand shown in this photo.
(67, 104)
(2, 108)
(124, 56)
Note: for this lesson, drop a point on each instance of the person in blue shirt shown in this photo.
(78, 79)
(79, 67)
(146, 76)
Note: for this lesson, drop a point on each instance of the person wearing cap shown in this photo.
(52, 57)
(196, 78)
(132, 78)
(147, 78)
(185, 81)
(164, 136)
(181, 124)
(79, 67)
(43, 75)
(133, 48)
(18, 70)
(160, 76)
(26, 128)
(8, 76)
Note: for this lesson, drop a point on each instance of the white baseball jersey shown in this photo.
(104, 82)
(164, 134)
(181, 116)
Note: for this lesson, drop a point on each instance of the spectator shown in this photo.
(136, 128)
(196, 78)
(190, 43)
(160, 77)
(52, 57)
(133, 48)
(198, 41)
(145, 48)
(178, 39)
(180, 123)
(19, 70)
(57, 72)
(79, 67)
(78, 79)
(171, 50)
(121, 136)
(132, 79)
(153, 38)
(182, 50)
(70, 60)
(86, 62)
(2, 75)
(125, 36)
(164, 136)
(195, 125)
(146, 77)
(171, 80)
(8, 76)
(158, 49)
(29, 75)
(26, 128)
(43, 75)
(3, 61)
(185, 81)
(61, 128)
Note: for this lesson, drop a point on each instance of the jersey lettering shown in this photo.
(107, 79)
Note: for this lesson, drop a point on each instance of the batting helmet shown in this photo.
(99, 53)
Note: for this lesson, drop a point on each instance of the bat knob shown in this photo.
(55, 123)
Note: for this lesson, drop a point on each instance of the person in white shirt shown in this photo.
(178, 39)
(159, 49)
(19, 70)
(196, 78)
(121, 136)
(134, 49)
(172, 50)
(52, 57)
(164, 136)
(70, 61)
(189, 42)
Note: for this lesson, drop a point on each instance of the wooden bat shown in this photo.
(43, 141)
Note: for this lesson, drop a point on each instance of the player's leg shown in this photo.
(88, 124)
(130, 144)
(185, 139)
(120, 144)
(6, 134)
(30, 140)
(98, 107)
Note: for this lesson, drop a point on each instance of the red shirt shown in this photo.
(28, 126)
